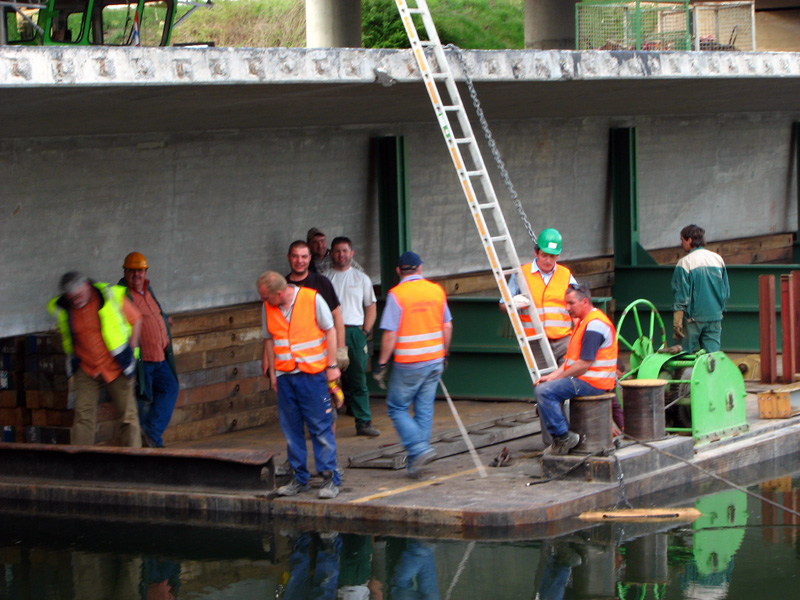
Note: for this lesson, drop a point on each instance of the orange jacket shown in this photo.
(602, 373)
(299, 343)
(549, 301)
(419, 336)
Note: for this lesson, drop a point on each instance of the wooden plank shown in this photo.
(687, 514)
(221, 424)
(750, 250)
(231, 404)
(776, 255)
(213, 340)
(217, 319)
(225, 389)
(233, 355)
(203, 377)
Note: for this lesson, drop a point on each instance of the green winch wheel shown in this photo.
(644, 344)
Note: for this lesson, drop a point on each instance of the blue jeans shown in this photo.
(155, 413)
(301, 586)
(417, 387)
(550, 395)
(416, 562)
(304, 400)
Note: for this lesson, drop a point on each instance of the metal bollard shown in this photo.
(590, 417)
(643, 407)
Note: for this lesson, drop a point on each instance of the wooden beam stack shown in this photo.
(218, 356)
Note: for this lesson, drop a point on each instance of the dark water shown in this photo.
(740, 549)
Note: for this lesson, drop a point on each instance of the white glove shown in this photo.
(521, 301)
(342, 358)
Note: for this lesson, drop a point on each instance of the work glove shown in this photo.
(342, 358)
(521, 301)
(677, 325)
(379, 375)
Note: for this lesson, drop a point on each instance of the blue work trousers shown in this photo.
(416, 387)
(550, 395)
(304, 400)
(156, 412)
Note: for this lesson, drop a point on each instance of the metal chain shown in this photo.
(490, 140)
(623, 498)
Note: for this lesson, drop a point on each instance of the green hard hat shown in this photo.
(549, 241)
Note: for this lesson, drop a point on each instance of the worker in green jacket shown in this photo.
(700, 291)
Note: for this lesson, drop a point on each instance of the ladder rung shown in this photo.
(476, 174)
(511, 271)
(440, 76)
(463, 140)
(499, 238)
(452, 108)
(487, 206)
(416, 11)
(535, 337)
(426, 43)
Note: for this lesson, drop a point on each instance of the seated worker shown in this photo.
(589, 369)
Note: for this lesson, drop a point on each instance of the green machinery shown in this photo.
(87, 22)
(706, 391)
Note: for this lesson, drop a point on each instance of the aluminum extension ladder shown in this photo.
(535, 349)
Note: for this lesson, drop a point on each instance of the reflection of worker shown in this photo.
(359, 310)
(589, 369)
(321, 550)
(99, 329)
(556, 561)
(157, 377)
(699, 290)
(547, 282)
(355, 567)
(416, 564)
(299, 346)
(417, 328)
(322, 260)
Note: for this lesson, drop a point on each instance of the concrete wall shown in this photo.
(212, 210)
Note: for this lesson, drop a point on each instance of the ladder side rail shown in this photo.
(445, 125)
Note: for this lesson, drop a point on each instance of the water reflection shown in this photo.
(739, 548)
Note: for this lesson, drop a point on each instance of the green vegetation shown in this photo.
(482, 24)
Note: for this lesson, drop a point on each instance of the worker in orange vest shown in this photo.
(547, 282)
(300, 359)
(417, 328)
(589, 369)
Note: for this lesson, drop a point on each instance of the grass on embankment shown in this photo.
(482, 24)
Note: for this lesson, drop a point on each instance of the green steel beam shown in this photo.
(393, 212)
(625, 197)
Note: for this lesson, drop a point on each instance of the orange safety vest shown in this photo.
(420, 336)
(298, 343)
(549, 301)
(602, 373)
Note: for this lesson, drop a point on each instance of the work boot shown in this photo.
(564, 443)
(415, 466)
(293, 488)
(329, 489)
(366, 428)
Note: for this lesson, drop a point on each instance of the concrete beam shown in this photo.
(333, 23)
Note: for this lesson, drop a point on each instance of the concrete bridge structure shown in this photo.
(211, 161)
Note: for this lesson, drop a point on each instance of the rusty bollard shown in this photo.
(590, 417)
(643, 407)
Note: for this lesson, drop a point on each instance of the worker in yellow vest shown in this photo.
(99, 330)
(589, 369)
(547, 282)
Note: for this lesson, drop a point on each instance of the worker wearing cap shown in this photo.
(589, 369)
(99, 330)
(417, 328)
(321, 259)
(700, 291)
(157, 377)
(300, 359)
(547, 282)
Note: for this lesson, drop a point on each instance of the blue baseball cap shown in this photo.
(409, 259)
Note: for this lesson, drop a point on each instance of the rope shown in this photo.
(501, 166)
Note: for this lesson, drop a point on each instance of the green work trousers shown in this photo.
(354, 378)
(120, 391)
(702, 335)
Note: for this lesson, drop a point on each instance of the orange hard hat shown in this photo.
(135, 260)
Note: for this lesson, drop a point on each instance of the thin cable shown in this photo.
(714, 476)
(465, 435)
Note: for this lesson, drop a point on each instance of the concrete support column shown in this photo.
(550, 24)
(333, 23)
